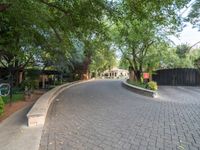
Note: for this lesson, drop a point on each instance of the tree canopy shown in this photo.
(84, 36)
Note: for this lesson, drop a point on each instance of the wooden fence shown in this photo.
(178, 77)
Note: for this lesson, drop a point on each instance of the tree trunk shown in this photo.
(20, 77)
(11, 84)
(137, 75)
(85, 75)
(134, 75)
(61, 78)
(43, 82)
(86, 63)
(131, 74)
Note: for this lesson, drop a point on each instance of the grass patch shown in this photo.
(150, 85)
(136, 83)
(16, 97)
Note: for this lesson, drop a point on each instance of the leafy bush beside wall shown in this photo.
(152, 85)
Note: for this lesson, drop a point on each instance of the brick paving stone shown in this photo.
(102, 115)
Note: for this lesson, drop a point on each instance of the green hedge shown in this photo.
(1, 106)
(16, 97)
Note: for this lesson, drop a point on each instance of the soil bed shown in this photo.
(9, 109)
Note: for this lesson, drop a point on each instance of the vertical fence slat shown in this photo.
(178, 77)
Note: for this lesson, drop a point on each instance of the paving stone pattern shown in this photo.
(102, 115)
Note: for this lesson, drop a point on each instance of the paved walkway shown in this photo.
(15, 135)
(103, 115)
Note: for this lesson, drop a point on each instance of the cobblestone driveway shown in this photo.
(103, 115)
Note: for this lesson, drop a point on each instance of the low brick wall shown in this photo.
(37, 115)
(139, 90)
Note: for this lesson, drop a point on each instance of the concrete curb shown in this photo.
(37, 115)
(139, 90)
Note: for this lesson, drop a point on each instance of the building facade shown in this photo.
(115, 73)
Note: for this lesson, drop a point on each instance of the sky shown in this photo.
(188, 35)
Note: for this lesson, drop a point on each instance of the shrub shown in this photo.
(1, 106)
(15, 97)
(152, 85)
(29, 84)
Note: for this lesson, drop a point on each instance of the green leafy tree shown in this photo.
(123, 63)
(194, 14)
(103, 59)
(42, 32)
(141, 25)
(182, 50)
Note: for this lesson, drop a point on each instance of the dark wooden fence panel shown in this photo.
(178, 76)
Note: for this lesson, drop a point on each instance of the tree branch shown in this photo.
(55, 31)
(193, 45)
(4, 7)
(3, 64)
(54, 6)
(26, 63)
(125, 56)
(146, 47)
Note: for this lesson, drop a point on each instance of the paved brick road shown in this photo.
(103, 115)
